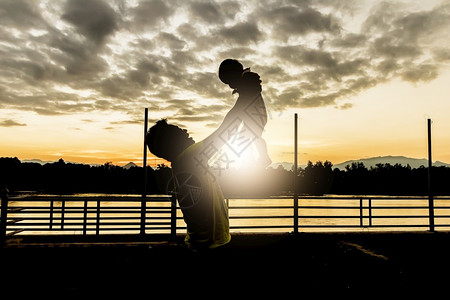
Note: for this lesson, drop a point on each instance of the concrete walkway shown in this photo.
(252, 265)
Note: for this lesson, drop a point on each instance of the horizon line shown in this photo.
(163, 161)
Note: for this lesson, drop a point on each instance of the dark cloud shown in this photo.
(133, 121)
(289, 20)
(399, 33)
(441, 54)
(213, 13)
(331, 73)
(171, 41)
(241, 33)
(387, 46)
(185, 110)
(300, 55)
(148, 14)
(11, 123)
(319, 100)
(421, 72)
(79, 60)
(288, 97)
(350, 40)
(121, 88)
(21, 14)
(392, 43)
(93, 18)
(345, 106)
(207, 84)
(209, 12)
(380, 18)
(165, 54)
(188, 31)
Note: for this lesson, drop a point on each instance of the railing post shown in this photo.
(173, 217)
(143, 213)
(370, 212)
(430, 191)
(295, 173)
(361, 221)
(4, 216)
(97, 225)
(144, 156)
(63, 207)
(51, 214)
(144, 168)
(85, 216)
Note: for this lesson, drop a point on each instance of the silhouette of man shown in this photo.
(194, 182)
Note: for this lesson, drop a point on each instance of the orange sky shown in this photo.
(396, 125)
(363, 76)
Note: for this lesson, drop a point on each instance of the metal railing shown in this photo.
(339, 213)
(87, 214)
(95, 215)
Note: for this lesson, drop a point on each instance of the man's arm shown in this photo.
(229, 131)
(229, 124)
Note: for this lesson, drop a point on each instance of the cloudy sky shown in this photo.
(363, 75)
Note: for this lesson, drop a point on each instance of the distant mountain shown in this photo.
(129, 165)
(373, 161)
(38, 161)
(368, 162)
(42, 162)
(285, 165)
(402, 160)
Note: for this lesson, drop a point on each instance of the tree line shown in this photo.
(315, 179)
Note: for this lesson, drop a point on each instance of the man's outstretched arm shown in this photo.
(229, 124)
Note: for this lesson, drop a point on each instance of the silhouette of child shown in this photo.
(248, 85)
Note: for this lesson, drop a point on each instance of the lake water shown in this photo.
(343, 214)
(336, 213)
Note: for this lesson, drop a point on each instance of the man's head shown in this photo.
(167, 141)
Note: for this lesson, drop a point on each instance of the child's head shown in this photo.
(230, 72)
(167, 141)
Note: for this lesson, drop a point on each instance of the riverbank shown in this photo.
(251, 265)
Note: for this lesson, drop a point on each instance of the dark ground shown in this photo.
(306, 265)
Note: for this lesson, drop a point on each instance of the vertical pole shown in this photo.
(361, 222)
(85, 212)
(295, 173)
(97, 225)
(430, 191)
(370, 212)
(51, 214)
(63, 208)
(173, 217)
(144, 165)
(4, 216)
